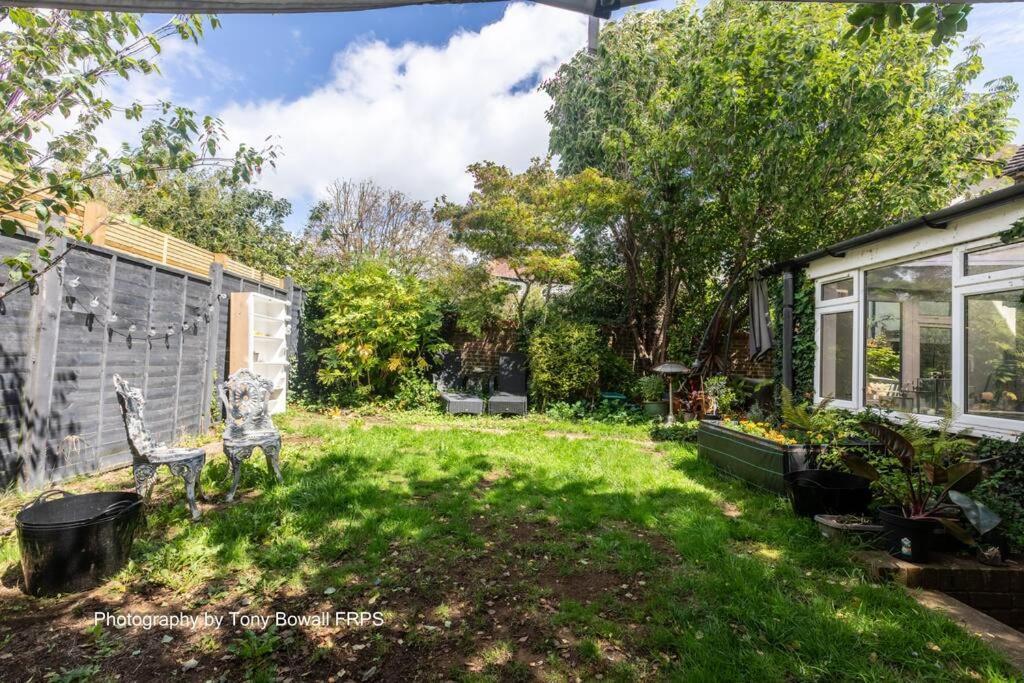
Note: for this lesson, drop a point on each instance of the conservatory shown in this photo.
(923, 318)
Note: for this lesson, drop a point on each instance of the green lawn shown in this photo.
(495, 550)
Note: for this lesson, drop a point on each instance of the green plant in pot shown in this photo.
(652, 391)
(927, 496)
(721, 395)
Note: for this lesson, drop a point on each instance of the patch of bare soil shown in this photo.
(730, 510)
(486, 606)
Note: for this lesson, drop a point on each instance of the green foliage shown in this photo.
(57, 70)
(821, 424)
(370, 325)
(925, 484)
(515, 218)
(605, 412)
(679, 431)
(724, 396)
(804, 348)
(214, 211)
(1003, 490)
(416, 392)
(678, 123)
(615, 373)
(882, 360)
(943, 21)
(651, 388)
(474, 298)
(565, 362)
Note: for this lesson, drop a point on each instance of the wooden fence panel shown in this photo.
(15, 313)
(75, 408)
(192, 399)
(79, 427)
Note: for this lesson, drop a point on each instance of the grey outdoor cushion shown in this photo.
(504, 403)
(456, 403)
(509, 392)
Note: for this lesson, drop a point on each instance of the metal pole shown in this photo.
(787, 329)
(593, 34)
(671, 416)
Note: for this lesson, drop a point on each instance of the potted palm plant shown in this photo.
(652, 392)
(930, 495)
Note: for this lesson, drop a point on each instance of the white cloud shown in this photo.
(414, 116)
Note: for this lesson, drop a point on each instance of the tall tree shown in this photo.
(54, 65)
(361, 220)
(518, 219)
(747, 132)
(215, 211)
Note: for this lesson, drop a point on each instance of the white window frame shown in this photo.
(962, 286)
(960, 277)
(846, 304)
(818, 286)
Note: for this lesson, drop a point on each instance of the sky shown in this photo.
(410, 96)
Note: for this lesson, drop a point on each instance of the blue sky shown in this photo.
(410, 96)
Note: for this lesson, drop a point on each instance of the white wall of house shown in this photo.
(922, 291)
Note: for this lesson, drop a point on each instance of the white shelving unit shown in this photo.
(259, 341)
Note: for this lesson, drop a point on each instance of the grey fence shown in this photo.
(61, 344)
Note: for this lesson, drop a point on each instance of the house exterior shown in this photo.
(925, 317)
(501, 271)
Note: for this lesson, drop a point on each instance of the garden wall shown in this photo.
(60, 350)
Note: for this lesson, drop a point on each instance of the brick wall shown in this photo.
(996, 591)
(740, 363)
(483, 352)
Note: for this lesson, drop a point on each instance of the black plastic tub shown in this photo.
(74, 543)
(827, 492)
(908, 539)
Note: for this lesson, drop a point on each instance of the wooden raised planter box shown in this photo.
(757, 461)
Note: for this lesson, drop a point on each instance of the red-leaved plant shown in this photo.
(931, 490)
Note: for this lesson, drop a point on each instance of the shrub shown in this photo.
(651, 388)
(680, 431)
(605, 412)
(372, 325)
(718, 389)
(615, 373)
(564, 362)
(1003, 490)
(416, 392)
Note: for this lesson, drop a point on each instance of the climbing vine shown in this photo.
(803, 336)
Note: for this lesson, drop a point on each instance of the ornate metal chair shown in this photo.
(246, 398)
(148, 455)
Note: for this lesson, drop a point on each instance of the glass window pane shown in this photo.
(994, 343)
(840, 289)
(997, 258)
(836, 378)
(908, 350)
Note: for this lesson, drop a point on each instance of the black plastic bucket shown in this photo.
(827, 492)
(74, 543)
(908, 539)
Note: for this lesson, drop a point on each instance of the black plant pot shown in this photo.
(827, 492)
(908, 539)
(76, 542)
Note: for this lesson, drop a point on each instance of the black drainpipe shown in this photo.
(787, 329)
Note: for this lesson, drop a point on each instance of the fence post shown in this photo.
(37, 399)
(94, 221)
(212, 330)
(181, 350)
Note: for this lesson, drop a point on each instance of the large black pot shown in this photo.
(74, 543)
(908, 539)
(827, 492)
